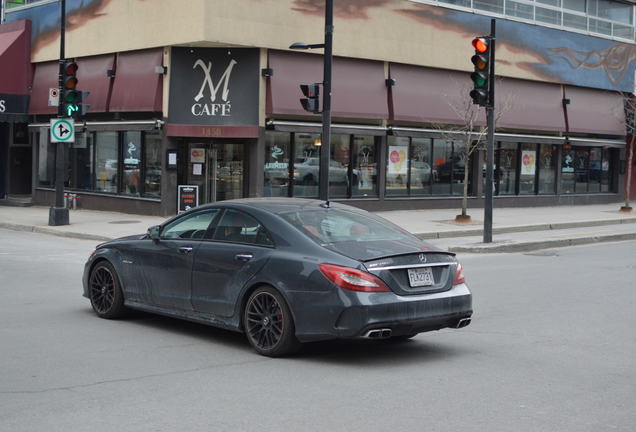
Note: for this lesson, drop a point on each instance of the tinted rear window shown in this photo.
(338, 226)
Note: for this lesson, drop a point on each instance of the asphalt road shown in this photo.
(551, 348)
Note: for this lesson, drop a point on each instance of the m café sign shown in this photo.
(214, 87)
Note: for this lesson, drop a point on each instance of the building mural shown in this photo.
(524, 50)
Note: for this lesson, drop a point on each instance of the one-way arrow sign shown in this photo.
(62, 130)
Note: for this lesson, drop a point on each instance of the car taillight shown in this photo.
(459, 275)
(352, 279)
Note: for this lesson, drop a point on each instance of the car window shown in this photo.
(192, 226)
(239, 227)
(337, 226)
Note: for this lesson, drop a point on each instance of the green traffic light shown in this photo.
(480, 79)
(70, 109)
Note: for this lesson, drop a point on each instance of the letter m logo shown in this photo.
(207, 80)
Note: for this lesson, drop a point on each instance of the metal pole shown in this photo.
(58, 215)
(490, 114)
(325, 149)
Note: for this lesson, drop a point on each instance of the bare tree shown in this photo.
(468, 134)
(630, 127)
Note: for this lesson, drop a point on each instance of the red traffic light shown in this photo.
(70, 68)
(481, 44)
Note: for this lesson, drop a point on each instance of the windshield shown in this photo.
(338, 226)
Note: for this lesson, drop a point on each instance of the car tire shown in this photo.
(268, 323)
(107, 298)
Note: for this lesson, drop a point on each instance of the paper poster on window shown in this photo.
(197, 155)
(528, 162)
(398, 163)
(197, 169)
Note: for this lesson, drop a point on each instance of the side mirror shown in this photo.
(153, 232)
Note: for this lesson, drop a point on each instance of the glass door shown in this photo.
(217, 169)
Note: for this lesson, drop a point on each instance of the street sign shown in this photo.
(62, 130)
(54, 96)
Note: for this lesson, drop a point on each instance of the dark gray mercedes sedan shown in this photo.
(283, 271)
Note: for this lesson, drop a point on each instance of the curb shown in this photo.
(51, 231)
(525, 228)
(543, 244)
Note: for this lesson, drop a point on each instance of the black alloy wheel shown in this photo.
(105, 293)
(268, 323)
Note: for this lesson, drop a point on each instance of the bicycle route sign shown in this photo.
(62, 130)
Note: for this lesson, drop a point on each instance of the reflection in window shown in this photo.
(152, 164)
(339, 166)
(132, 163)
(277, 150)
(79, 159)
(595, 173)
(365, 167)
(506, 175)
(567, 170)
(46, 159)
(606, 170)
(547, 168)
(528, 174)
(237, 227)
(421, 171)
(397, 166)
(106, 161)
(489, 5)
(306, 164)
(581, 166)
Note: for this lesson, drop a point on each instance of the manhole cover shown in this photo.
(124, 222)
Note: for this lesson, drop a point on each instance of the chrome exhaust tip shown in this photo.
(378, 334)
(462, 323)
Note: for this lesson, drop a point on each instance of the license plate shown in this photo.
(421, 277)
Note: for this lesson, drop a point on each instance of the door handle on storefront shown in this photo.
(243, 257)
(185, 250)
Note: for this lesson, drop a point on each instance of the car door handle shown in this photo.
(185, 250)
(243, 257)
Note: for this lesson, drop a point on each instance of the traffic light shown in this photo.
(71, 97)
(311, 102)
(480, 77)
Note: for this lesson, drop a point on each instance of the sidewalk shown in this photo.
(514, 229)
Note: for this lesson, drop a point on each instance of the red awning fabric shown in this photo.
(529, 105)
(427, 95)
(92, 77)
(358, 86)
(46, 76)
(595, 111)
(137, 86)
(15, 57)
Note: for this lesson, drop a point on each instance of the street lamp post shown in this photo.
(325, 149)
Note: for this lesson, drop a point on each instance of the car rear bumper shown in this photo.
(403, 315)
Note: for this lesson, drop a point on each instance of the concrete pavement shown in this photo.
(514, 229)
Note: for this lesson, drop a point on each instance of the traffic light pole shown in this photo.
(58, 214)
(490, 114)
(325, 149)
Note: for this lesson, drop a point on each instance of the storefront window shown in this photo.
(528, 174)
(79, 157)
(106, 161)
(421, 172)
(547, 168)
(46, 159)
(507, 173)
(277, 152)
(605, 171)
(397, 166)
(306, 164)
(568, 176)
(365, 167)
(442, 166)
(339, 166)
(152, 164)
(132, 163)
(595, 173)
(581, 168)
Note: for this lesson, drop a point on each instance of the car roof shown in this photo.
(281, 205)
